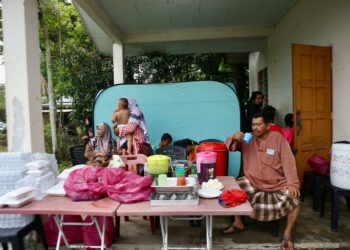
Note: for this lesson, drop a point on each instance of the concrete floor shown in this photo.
(311, 232)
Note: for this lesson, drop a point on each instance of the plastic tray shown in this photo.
(172, 185)
(180, 199)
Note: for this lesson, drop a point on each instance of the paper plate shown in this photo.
(208, 193)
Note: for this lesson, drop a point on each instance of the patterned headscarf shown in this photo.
(136, 116)
(104, 142)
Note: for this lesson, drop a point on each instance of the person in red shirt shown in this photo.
(270, 114)
(288, 130)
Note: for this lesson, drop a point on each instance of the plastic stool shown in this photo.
(15, 236)
(275, 228)
(336, 194)
(319, 183)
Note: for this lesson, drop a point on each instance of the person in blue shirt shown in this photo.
(165, 140)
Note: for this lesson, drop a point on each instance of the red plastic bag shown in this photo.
(91, 236)
(319, 165)
(127, 187)
(232, 198)
(85, 184)
(73, 234)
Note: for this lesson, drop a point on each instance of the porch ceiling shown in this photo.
(181, 26)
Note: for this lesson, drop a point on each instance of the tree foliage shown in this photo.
(159, 68)
(79, 70)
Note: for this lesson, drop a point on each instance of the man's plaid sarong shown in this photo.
(267, 206)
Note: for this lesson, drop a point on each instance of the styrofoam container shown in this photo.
(65, 173)
(40, 184)
(38, 164)
(20, 193)
(3, 200)
(340, 165)
(38, 172)
(48, 157)
(19, 202)
(57, 190)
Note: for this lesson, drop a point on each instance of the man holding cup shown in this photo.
(270, 177)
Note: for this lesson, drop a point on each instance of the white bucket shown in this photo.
(340, 166)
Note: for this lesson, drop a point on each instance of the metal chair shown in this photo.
(15, 236)
(174, 152)
(77, 154)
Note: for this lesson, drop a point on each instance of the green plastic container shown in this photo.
(158, 164)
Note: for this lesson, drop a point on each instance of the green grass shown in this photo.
(3, 148)
(63, 165)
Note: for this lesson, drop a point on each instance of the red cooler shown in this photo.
(221, 155)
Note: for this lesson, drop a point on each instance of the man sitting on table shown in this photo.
(270, 180)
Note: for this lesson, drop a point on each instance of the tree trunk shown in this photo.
(52, 105)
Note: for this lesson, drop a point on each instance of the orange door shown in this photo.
(312, 103)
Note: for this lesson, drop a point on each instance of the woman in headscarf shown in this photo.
(100, 148)
(137, 126)
(88, 127)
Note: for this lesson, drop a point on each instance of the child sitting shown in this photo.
(165, 140)
(120, 117)
(191, 148)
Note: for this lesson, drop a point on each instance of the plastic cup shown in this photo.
(247, 138)
(180, 171)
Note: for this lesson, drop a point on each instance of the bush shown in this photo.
(3, 141)
(65, 140)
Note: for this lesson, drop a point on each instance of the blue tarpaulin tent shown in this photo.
(197, 110)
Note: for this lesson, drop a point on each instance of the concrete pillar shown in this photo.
(253, 71)
(22, 76)
(118, 63)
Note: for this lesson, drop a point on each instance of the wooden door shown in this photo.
(312, 103)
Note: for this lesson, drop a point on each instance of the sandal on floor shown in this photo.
(285, 245)
(231, 230)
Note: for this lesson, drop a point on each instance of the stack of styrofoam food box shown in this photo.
(48, 157)
(38, 176)
(12, 169)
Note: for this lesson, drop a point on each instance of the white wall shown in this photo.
(253, 71)
(257, 61)
(314, 22)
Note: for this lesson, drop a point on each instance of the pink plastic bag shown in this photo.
(73, 234)
(85, 184)
(127, 187)
(91, 236)
(319, 165)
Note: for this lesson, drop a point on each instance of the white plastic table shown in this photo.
(60, 206)
(207, 208)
